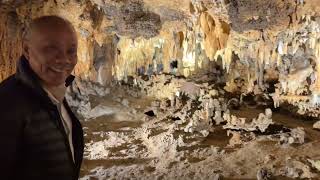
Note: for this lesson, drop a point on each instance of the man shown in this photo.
(40, 138)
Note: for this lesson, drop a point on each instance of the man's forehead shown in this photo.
(53, 30)
(50, 25)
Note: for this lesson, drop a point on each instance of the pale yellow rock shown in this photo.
(316, 125)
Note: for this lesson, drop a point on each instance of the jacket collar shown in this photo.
(28, 77)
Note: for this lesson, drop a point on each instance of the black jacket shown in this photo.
(33, 142)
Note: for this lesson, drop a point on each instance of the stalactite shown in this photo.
(281, 48)
(188, 58)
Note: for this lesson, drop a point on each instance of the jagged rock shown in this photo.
(264, 174)
(125, 102)
(239, 138)
(235, 139)
(198, 123)
(191, 89)
(297, 169)
(155, 104)
(296, 136)
(98, 111)
(260, 123)
(204, 133)
(316, 125)
(315, 164)
(217, 117)
(84, 108)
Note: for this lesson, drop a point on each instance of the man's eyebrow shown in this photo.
(50, 46)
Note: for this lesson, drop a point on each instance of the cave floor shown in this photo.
(126, 145)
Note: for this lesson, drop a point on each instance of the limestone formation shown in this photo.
(296, 136)
(316, 125)
(261, 123)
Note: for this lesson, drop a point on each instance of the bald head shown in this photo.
(41, 23)
(50, 46)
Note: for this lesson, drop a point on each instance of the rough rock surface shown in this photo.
(179, 139)
(316, 125)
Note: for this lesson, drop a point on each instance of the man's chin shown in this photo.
(55, 83)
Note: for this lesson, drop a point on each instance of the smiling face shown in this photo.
(51, 49)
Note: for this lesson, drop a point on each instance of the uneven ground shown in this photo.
(130, 145)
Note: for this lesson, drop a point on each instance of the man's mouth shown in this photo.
(57, 70)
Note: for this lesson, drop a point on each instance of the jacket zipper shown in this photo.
(66, 140)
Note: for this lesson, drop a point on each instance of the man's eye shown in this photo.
(72, 51)
(50, 49)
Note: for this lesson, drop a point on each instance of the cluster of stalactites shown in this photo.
(211, 38)
(270, 53)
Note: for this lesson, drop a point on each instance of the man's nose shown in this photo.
(62, 57)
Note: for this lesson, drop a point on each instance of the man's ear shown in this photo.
(26, 49)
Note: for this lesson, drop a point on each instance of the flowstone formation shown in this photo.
(188, 89)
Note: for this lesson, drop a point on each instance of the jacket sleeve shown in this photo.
(10, 141)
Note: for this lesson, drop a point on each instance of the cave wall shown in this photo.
(10, 38)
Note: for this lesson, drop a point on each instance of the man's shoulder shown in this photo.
(12, 103)
(12, 92)
(9, 86)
